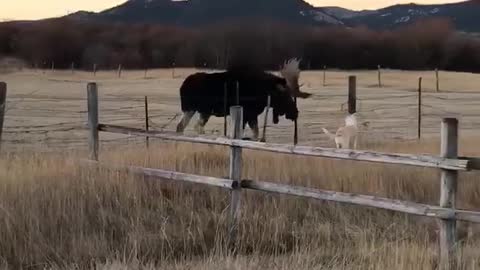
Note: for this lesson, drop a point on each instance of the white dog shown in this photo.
(346, 135)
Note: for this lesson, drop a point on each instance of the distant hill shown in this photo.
(193, 13)
(464, 15)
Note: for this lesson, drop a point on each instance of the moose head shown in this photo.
(291, 73)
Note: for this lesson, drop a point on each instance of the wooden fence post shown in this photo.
(419, 116)
(352, 94)
(119, 70)
(437, 77)
(94, 70)
(324, 75)
(3, 104)
(92, 94)
(379, 76)
(448, 227)
(236, 131)
(295, 125)
(225, 108)
(264, 134)
(147, 125)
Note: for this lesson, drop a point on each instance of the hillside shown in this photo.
(463, 15)
(194, 13)
(201, 12)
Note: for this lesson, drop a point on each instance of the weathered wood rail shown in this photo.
(449, 163)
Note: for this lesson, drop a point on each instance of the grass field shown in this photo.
(57, 214)
(49, 110)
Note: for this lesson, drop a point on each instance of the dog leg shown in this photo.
(253, 124)
(187, 116)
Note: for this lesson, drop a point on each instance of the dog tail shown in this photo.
(330, 135)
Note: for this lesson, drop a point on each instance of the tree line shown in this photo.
(427, 44)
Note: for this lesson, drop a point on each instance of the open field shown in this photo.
(49, 109)
(57, 214)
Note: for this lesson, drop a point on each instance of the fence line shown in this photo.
(449, 163)
(305, 192)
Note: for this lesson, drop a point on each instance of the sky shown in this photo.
(38, 9)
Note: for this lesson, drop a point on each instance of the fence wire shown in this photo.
(34, 119)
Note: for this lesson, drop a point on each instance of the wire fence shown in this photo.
(58, 121)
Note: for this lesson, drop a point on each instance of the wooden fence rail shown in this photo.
(312, 193)
(358, 155)
(449, 163)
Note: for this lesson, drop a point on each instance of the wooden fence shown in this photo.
(449, 163)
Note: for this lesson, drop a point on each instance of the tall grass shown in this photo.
(58, 214)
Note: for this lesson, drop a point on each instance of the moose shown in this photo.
(212, 93)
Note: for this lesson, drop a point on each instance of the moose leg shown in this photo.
(187, 116)
(202, 121)
(253, 124)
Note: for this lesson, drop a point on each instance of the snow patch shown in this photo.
(403, 19)
(323, 17)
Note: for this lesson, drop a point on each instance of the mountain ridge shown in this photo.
(196, 13)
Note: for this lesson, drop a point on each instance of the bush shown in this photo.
(426, 44)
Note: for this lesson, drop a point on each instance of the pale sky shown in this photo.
(37, 9)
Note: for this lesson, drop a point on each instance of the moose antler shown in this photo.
(291, 72)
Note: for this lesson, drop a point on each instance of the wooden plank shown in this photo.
(318, 194)
(3, 104)
(93, 142)
(167, 175)
(352, 94)
(474, 162)
(363, 200)
(358, 155)
(419, 115)
(236, 113)
(448, 190)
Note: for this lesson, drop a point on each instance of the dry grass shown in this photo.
(48, 110)
(58, 215)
